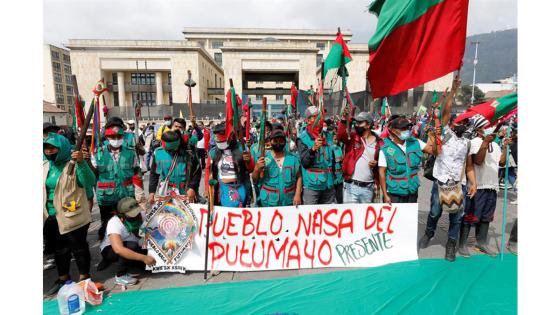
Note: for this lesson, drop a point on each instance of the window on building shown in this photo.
(67, 69)
(207, 83)
(215, 80)
(143, 78)
(170, 98)
(116, 99)
(59, 89)
(56, 66)
(69, 89)
(221, 82)
(115, 78)
(259, 97)
(146, 98)
(201, 43)
(59, 99)
(57, 77)
(259, 82)
(217, 44)
(68, 78)
(55, 55)
(169, 79)
(69, 100)
(279, 97)
(66, 58)
(321, 46)
(279, 83)
(218, 58)
(53, 120)
(319, 60)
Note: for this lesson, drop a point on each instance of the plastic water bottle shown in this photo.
(71, 299)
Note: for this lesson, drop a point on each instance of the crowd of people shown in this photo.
(358, 159)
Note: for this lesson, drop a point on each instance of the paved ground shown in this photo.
(164, 280)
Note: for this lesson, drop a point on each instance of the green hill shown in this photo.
(497, 56)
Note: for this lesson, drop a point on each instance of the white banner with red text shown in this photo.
(256, 239)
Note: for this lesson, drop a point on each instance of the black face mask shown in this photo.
(460, 130)
(278, 147)
(51, 157)
(360, 130)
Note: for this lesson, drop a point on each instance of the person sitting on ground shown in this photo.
(121, 243)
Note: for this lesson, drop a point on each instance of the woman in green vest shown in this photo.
(57, 150)
(278, 174)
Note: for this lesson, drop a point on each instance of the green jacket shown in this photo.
(85, 175)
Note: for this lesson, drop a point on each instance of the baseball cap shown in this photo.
(311, 111)
(364, 116)
(167, 117)
(400, 123)
(129, 207)
(277, 133)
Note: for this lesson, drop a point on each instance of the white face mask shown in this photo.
(222, 145)
(168, 123)
(488, 131)
(116, 143)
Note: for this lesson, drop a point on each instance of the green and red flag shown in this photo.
(416, 41)
(492, 110)
(338, 56)
(232, 113)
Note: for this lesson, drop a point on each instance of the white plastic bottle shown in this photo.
(71, 299)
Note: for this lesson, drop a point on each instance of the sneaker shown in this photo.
(425, 240)
(125, 280)
(56, 286)
(512, 248)
(514, 202)
(49, 264)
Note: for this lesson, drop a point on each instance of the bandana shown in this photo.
(114, 131)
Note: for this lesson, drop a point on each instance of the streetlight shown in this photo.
(475, 61)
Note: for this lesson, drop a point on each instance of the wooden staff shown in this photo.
(211, 184)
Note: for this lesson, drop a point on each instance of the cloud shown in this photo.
(144, 19)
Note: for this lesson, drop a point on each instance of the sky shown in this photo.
(166, 19)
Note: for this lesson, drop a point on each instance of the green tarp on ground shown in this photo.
(477, 285)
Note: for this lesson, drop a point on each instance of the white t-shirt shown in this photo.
(450, 162)
(226, 167)
(362, 171)
(200, 144)
(115, 226)
(383, 161)
(487, 173)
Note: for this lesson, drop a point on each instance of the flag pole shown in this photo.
(504, 219)
(211, 183)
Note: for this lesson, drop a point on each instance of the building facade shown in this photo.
(57, 77)
(259, 62)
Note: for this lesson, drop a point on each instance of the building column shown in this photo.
(159, 88)
(120, 84)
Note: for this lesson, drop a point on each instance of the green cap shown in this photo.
(129, 207)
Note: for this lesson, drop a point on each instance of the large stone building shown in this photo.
(57, 77)
(260, 63)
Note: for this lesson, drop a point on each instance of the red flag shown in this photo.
(294, 93)
(80, 117)
(229, 115)
(416, 41)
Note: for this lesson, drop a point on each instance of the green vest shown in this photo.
(178, 177)
(402, 168)
(115, 179)
(319, 175)
(278, 186)
(338, 158)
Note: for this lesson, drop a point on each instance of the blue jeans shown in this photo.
(435, 214)
(356, 194)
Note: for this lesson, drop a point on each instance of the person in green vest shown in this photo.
(185, 175)
(115, 165)
(278, 174)
(57, 150)
(316, 157)
(399, 160)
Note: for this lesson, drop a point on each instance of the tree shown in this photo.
(466, 92)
